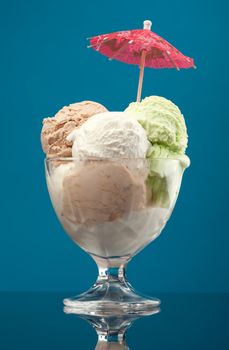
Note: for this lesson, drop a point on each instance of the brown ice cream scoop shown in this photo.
(56, 129)
(101, 192)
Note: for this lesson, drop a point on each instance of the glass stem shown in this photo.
(112, 269)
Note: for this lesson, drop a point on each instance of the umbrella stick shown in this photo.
(141, 74)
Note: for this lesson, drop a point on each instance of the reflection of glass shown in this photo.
(113, 209)
(111, 330)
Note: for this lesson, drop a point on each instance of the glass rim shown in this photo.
(50, 159)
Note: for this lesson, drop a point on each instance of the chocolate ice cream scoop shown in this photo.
(56, 129)
(114, 191)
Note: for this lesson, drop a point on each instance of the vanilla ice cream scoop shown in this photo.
(109, 135)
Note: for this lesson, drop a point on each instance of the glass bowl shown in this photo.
(113, 208)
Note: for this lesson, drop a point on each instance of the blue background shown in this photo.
(45, 65)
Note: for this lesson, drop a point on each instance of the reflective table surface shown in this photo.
(185, 321)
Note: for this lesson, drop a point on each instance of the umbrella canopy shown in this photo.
(141, 47)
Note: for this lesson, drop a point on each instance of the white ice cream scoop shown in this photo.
(109, 135)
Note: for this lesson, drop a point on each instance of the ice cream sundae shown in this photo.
(114, 177)
(117, 172)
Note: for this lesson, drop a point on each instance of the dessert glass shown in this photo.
(113, 208)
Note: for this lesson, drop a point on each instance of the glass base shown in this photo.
(111, 295)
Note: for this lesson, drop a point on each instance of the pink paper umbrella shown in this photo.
(141, 47)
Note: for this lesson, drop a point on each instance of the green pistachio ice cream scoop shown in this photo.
(167, 133)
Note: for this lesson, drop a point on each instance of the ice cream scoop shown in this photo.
(163, 122)
(100, 192)
(166, 130)
(56, 129)
(109, 135)
(157, 151)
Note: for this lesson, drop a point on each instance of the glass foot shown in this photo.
(111, 295)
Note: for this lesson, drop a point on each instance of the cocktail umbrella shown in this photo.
(141, 47)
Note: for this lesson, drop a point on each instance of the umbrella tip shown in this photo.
(147, 24)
